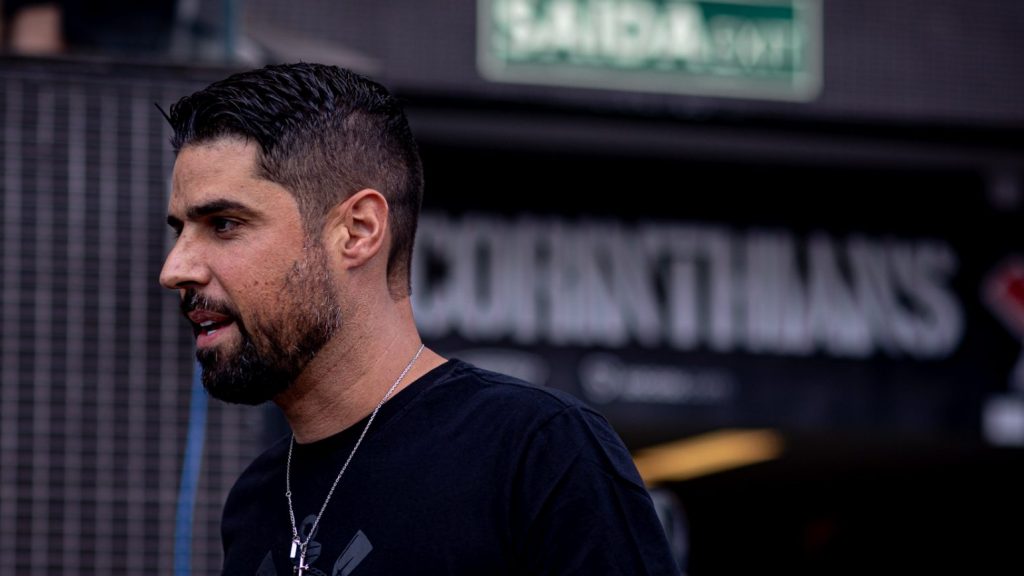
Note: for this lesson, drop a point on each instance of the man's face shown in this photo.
(258, 293)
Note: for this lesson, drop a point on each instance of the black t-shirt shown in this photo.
(464, 472)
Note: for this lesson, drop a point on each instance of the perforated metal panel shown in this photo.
(96, 361)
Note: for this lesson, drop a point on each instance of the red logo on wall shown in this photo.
(1004, 294)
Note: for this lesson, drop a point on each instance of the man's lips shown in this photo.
(206, 324)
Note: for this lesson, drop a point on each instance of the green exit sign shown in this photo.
(739, 48)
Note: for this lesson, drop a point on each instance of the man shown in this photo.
(295, 195)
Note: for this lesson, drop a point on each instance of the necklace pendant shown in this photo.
(295, 548)
(301, 566)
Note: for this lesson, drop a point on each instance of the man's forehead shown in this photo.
(221, 176)
(214, 169)
(227, 155)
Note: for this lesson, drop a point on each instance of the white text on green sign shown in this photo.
(757, 48)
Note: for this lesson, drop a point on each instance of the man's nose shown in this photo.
(184, 265)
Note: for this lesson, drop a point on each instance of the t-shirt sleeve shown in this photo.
(581, 504)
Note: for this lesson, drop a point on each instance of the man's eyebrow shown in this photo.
(214, 207)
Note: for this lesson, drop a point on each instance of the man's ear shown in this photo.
(355, 230)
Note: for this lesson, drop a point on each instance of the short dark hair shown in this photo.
(324, 133)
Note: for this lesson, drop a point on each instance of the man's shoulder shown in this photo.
(482, 389)
(553, 430)
(496, 404)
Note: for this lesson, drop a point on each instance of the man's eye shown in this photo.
(223, 225)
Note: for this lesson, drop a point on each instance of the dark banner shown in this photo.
(678, 297)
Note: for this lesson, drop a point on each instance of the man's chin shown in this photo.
(240, 391)
(237, 381)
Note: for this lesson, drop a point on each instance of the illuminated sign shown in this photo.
(740, 48)
(683, 287)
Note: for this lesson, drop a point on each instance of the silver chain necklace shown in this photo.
(298, 546)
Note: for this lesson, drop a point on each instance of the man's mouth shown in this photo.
(207, 325)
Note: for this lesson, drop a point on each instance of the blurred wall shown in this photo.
(96, 362)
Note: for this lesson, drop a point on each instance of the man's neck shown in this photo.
(350, 376)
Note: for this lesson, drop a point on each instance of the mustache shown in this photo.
(193, 300)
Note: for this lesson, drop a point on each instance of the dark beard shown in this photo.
(251, 376)
(268, 360)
